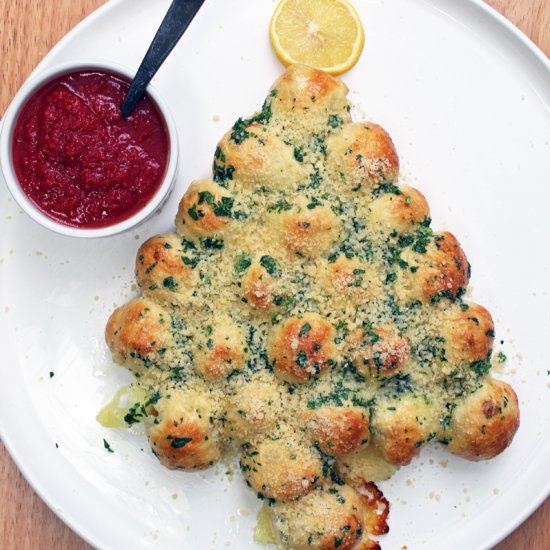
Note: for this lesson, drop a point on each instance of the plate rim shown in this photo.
(73, 520)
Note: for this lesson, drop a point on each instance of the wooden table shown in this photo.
(28, 29)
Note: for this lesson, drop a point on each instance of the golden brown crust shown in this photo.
(377, 509)
(302, 348)
(137, 332)
(201, 211)
(281, 469)
(451, 264)
(299, 83)
(484, 424)
(337, 430)
(182, 436)
(361, 156)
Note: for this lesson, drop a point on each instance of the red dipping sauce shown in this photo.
(78, 160)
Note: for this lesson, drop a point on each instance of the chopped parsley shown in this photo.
(239, 132)
(301, 359)
(170, 283)
(194, 214)
(191, 262)
(480, 367)
(423, 238)
(271, 266)
(179, 442)
(386, 187)
(279, 206)
(223, 208)
(398, 384)
(315, 180)
(304, 330)
(243, 262)
(210, 243)
(222, 173)
(314, 203)
(240, 129)
(298, 154)
(335, 121)
(206, 196)
(135, 414)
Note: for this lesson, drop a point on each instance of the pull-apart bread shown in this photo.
(305, 313)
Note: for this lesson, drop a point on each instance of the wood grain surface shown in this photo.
(28, 29)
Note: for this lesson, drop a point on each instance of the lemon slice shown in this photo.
(325, 34)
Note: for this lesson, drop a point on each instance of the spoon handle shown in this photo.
(174, 24)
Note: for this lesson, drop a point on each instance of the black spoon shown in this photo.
(175, 22)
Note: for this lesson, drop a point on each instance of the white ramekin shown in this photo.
(6, 161)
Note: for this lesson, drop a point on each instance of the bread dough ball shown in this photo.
(259, 159)
(362, 155)
(161, 272)
(484, 423)
(302, 348)
(222, 352)
(353, 280)
(182, 435)
(402, 427)
(309, 101)
(253, 410)
(281, 469)
(310, 229)
(439, 270)
(138, 335)
(401, 209)
(337, 430)
(204, 210)
(258, 288)
(469, 334)
(332, 518)
(379, 352)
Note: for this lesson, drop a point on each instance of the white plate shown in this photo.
(466, 98)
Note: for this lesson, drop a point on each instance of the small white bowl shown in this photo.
(9, 120)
